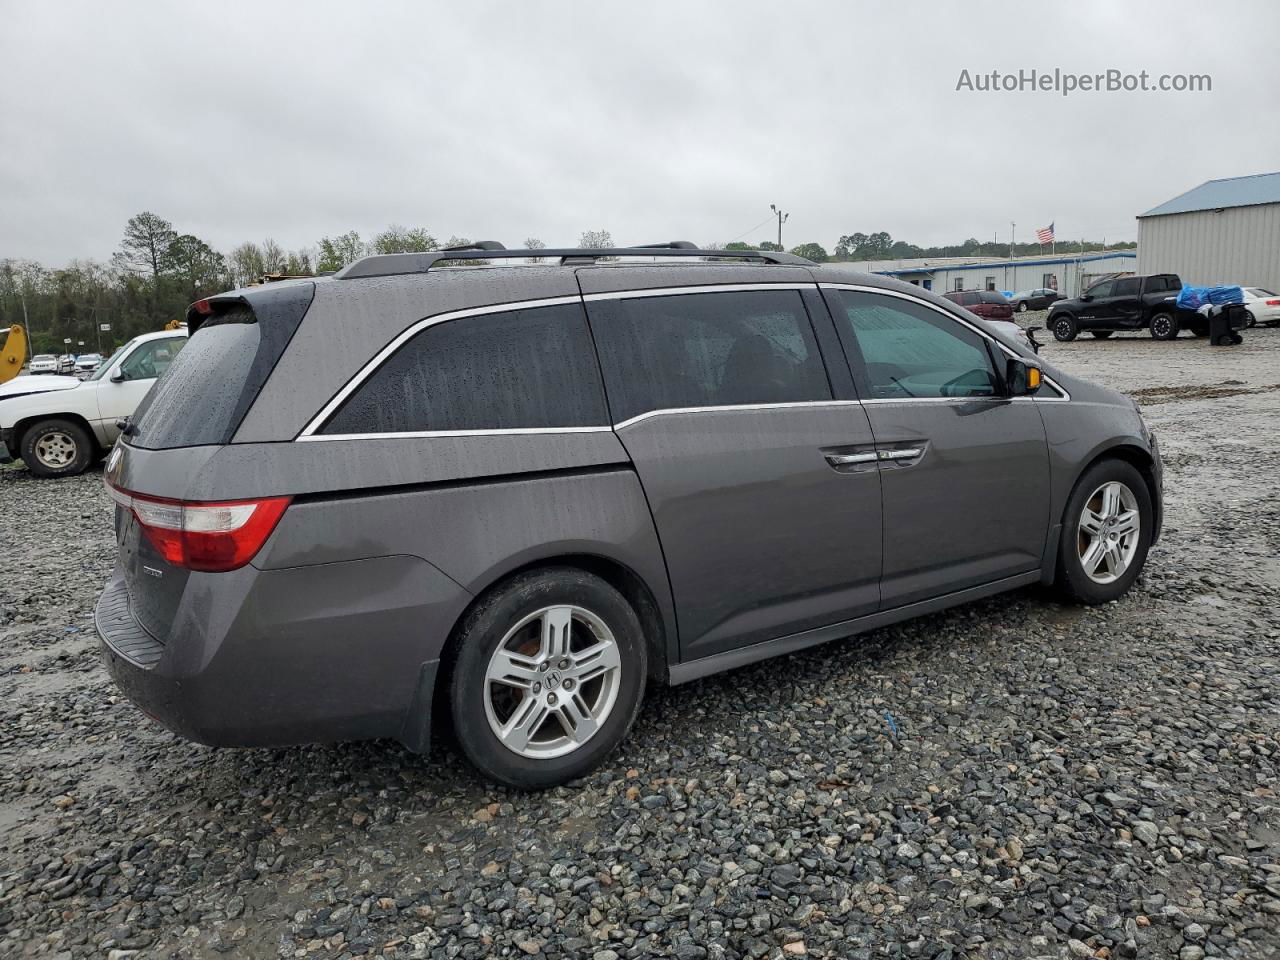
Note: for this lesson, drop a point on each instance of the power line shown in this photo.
(752, 230)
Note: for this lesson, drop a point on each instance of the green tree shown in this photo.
(196, 268)
(738, 245)
(770, 246)
(811, 251)
(396, 239)
(146, 240)
(336, 253)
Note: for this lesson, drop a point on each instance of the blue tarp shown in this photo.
(1193, 298)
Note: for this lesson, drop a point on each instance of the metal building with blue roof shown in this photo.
(1222, 232)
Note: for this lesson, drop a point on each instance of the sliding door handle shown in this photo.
(850, 459)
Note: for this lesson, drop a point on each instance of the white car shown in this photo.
(1263, 306)
(88, 362)
(60, 426)
(44, 363)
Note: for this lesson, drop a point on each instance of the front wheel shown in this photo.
(1064, 328)
(1164, 326)
(57, 448)
(1106, 533)
(549, 676)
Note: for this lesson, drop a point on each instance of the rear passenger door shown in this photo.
(1126, 302)
(760, 476)
(964, 469)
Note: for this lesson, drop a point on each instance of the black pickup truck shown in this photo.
(1125, 303)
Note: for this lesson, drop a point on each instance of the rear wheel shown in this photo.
(1106, 532)
(1022, 306)
(1252, 321)
(57, 448)
(1164, 326)
(1101, 334)
(1064, 327)
(548, 679)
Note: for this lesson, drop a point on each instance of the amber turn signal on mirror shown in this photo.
(1033, 378)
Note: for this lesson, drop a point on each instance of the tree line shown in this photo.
(158, 271)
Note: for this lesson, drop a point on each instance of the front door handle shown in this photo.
(849, 459)
(905, 453)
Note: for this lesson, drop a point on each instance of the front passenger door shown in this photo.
(964, 470)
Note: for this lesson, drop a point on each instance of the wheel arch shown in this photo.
(21, 427)
(1137, 456)
(632, 586)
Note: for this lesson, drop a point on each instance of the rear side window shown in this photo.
(707, 350)
(971, 299)
(993, 296)
(194, 402)
(1132, 286)
(518, 369)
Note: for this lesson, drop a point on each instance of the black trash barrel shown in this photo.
(1225, 324)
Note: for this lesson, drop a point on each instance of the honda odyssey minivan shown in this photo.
(510, 495)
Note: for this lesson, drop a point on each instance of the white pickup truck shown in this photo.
(60, 426)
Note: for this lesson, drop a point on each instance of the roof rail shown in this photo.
(392, 264)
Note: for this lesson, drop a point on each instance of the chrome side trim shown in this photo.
(421, 434)
(381, 356)
(704, 288)
(680, 411)
(904, 454)
(846, 459)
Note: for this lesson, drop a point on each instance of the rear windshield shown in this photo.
(993, 296)
(195, 402)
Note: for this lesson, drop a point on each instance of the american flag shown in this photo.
(1045, 234)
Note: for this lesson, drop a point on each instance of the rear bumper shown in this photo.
(338, 651)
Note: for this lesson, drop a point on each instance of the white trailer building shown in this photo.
(1065, 272)
(1222, 232)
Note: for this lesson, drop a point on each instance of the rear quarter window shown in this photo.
(518, 369)
(993, 296)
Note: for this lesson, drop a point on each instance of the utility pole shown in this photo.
(782, 218)
(1011, 226)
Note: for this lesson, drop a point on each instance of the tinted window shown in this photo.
(707, 350)
(1260, 292)
(1132, 286)
(971, 298)
(910, 350)
(516, 369)
(1101, 290)
(993, 296)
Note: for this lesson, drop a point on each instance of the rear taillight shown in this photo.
(212, 537)
(1273, 303)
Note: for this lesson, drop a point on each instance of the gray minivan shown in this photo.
(511, 494)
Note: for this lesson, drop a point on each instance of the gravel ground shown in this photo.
(1011, 779)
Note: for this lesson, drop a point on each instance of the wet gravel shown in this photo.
(1010, 779)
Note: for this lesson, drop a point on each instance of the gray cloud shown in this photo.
(655, 121)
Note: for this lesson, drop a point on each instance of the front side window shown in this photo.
(151, 359)
(707, 350)
(909, 350)
(518, 369)
(1102, 289)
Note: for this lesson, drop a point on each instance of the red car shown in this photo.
(988, 304)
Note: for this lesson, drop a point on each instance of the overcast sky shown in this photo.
(655, 121)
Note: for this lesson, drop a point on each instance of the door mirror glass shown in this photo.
(1022, 378)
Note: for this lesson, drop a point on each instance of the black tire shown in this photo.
(57, 448)
(1064, 327)
(1101, 334)
(1252, 321)
(1199, 330)
(477, 639)
(1073, 583)
(1022, 306)
(1164, 326)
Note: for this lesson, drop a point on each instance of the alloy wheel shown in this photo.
(1108, 532)
(552, 682)
(55, 450)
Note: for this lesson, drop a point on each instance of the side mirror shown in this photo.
(1021, 378)
(1086, 297)
(117, 377)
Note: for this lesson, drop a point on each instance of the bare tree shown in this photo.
(146, 240)
(596, 240)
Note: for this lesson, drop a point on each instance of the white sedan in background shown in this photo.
(1263, 306)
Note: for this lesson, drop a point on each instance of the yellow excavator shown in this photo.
(13, 354)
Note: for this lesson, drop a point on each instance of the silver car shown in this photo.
(511, 496)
